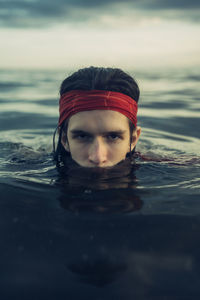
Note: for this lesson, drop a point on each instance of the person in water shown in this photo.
(97, 124)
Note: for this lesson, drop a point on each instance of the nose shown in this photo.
(98, 153)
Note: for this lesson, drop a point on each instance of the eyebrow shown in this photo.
(77, 132)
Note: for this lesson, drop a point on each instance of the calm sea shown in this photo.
(130, 233)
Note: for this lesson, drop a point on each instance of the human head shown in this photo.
(98, 79)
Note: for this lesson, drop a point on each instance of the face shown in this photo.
(99, 138)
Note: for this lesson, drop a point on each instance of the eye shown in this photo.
(113, 137)
(82, 137)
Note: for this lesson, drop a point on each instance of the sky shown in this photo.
(51, 34)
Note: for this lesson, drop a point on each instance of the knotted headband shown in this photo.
(79, 100)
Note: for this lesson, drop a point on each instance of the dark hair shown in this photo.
(96, 78)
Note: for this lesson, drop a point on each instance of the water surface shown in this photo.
(131, 233)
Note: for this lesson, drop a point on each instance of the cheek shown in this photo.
(78, 151)
(119, 150)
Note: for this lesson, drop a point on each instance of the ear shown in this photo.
(135, 137)
(64, 142)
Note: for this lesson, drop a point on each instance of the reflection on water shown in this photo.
(103, 190)
(109, 201)
(120, 176)
(128, 232)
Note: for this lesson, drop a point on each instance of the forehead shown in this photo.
(98, 120)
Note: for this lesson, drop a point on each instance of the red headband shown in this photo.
(79, 100)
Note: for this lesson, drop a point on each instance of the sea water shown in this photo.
(130, 233)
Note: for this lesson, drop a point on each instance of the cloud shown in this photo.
(170, 4)
(36, 13)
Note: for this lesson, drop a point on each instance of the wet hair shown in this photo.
(96, 78)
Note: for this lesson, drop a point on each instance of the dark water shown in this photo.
(128, 233)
